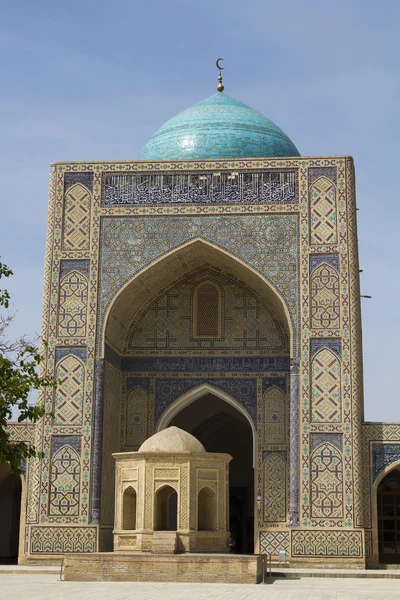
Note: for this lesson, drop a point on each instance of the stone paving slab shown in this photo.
(48, 587)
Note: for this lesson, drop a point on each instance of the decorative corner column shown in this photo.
(294, 442)
(98, 412)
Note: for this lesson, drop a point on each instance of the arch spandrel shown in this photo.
(153, 280)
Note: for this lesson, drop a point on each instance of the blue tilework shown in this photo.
(85, 179)
(242, 390)
(330, 259)
(74, 350)
(267, 243)
(239, 187)
(383, 455)
(142, 382)
(333, 344)
(194, 364)
(218, 127)
(59, 441)
(83, 266)
(279, 382)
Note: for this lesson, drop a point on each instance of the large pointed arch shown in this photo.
(196, 393)
(167, 269)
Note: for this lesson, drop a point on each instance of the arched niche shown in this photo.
(129, 509)
(206, 509)
(166, 509)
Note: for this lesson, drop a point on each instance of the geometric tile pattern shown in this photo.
(383, 455)
(60, 540)
(326, 388)
(273, 541)
(65, 478)
(327, 543)
(136, 417)
(69, 394)
(76, 232)
(274, 488)
(241, 389)
(323, 212)
(326, 482)
(325, 297)
(266, 243)
(274, 416)
(73, 305)
(247, 323)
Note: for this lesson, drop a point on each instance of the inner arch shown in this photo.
(151, 281)
(221, 427)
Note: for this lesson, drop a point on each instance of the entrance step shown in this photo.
(164, 542)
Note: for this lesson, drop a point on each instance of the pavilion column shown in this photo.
(294, 442)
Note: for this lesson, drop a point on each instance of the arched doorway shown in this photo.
(10, 510)
(388, 505)
(220, 427)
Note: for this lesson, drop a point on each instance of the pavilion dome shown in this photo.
(172, 440)
(218, 127)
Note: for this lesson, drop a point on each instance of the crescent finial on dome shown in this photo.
(220, 86)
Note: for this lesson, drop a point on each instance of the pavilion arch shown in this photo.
(374, 502)
(206, 509)
(152, 280)
(166, 508)
(129, 508)
(195, 394)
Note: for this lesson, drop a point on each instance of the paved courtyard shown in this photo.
(48, 587)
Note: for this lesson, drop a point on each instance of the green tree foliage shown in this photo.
(19, 362)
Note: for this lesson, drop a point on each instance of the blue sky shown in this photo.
(90, 80)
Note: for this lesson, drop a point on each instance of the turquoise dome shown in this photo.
(218, 127)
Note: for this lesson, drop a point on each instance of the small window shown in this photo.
(207, 310)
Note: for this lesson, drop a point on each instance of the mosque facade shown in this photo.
(211, 285)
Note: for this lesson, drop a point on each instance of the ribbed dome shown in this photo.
(218, 127)
(172, 440)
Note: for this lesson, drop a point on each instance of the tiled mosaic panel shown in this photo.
(368, 544)
(69, 394)
(77, 207)
(202, 188)
(323, 212)
(241, 389)
(325, 297)
(246, 322)
(328, 543)
(62, 540)
(65, 476)
(206, 364)
(326, 482)
(326, 400)
(267, 243)
(136, 417)
(383, 455)
(274, 488)
(73, 304)
(273, 541)
(274, 416)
